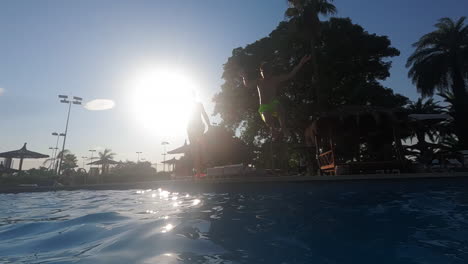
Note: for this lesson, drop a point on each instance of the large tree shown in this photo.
(305, 21)
(351, 60)
(440, 63)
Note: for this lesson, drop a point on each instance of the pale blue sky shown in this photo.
(91, 48)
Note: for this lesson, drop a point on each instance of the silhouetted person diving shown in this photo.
(267, 84)
(195, 131)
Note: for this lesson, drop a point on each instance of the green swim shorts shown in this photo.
(271, 107)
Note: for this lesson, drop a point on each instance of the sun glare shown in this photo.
(162, 101)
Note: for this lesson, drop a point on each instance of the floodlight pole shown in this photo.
(56, 145)
(91, 159)
(54, 157)
(164, 143)
(77, 101)
(84, 158)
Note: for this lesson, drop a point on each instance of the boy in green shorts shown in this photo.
(267, 86)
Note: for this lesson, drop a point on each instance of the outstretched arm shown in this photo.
(285, 77)
(205, 116)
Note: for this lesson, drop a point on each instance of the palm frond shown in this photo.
(326, 8)
(435, 38)
(445, 24)
(323, 7)
(421, 54)
(459, 25)
(107, 154)
(430, 73)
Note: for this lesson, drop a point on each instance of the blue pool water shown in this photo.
(340, 222)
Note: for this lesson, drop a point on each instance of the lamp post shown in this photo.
(138, 156)
(54, 156)
(64, 100)
(164, 143)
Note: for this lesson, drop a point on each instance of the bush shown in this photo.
(33, 176)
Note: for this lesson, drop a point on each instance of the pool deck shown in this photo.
(236, 180)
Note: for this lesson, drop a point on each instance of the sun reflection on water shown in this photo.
(167, 204)
(167, 228)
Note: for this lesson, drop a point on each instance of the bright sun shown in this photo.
(161, 101)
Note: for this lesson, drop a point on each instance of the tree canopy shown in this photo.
(351, 62)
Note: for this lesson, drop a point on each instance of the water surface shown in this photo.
(341, 222)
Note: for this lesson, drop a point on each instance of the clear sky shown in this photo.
(96, 49)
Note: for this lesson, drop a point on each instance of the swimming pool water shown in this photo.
(336, 222)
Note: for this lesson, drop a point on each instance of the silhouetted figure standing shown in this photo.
(195, 131)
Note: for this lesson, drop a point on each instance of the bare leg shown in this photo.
(195, 144)
(271, 123)
(311, 144)
(194, 155)
(201, 164)
(282, 121)
(269, 120)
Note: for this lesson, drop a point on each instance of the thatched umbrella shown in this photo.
(22, 154)
(172, 162)
(181, 150)
(105, 164)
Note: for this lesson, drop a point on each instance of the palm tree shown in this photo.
(307, 12)
(105, 157)
(446, 130)
(69, 161)
(422, 130)
(440, 62)
(49, 163)
(449, 99)
(310, 7)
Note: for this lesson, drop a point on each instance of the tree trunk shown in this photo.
(312, 24)
(461, 108)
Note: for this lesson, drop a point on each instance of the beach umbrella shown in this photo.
(105, 164)
(22, 153)
(170, 162)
